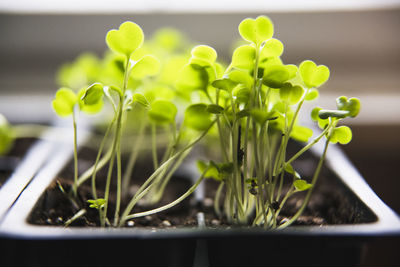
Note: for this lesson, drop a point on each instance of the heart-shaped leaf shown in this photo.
(126, 39)
(203, 55)
(291, 94)
(256, 30)
(352, 105)
(241, 94)
(313, 75)
(197, 117)
(272, 48)
(312, 94)
(64, 102)
(275, 76)
(342, 135)
(241, 77)
(162, 112)
(243, 57)
(146, 66)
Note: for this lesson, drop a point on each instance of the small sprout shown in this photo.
(126, 39)
(312, 94)
(256, 30)
(96, 203)
(93, 94)
(291, 94)
(64, 102)
(241, 94)
(203, 55)
(141, 99)
(197, 117)
(342, 135)
(275, 76)
(351, 105)
(146, 66)
(162, 112)
(243, 57)
(301, 185)
(313, 75)
(272, 48)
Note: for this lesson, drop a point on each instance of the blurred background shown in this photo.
(359, 41)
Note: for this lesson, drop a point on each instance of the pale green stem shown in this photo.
(154, 146)
(173, 203)
(75, 186)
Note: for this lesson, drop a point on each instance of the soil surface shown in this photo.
(331, 202)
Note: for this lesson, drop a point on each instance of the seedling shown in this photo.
(257, 100)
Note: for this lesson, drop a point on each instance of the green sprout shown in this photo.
(158, 98)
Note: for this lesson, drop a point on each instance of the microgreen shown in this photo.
(251, 108)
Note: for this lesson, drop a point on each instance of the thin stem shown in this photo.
(154, 145)
(75, 186)
(313, 182)
(217, 198)
(169, 205)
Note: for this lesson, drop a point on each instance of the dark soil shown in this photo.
(55, 207)
(331, 202)
(9, 162)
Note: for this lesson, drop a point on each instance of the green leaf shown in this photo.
(140, 99)
(192, 78)
(197, 117)
(92, 108)
(325, 114)
(243, 57)
(64, 102)
(313, 75)
(6, 136)
(243, 113)
(212, 171)
(96, 203)
(301, 185)
(351, 105)
(256, 30)
(272, 48)
(224, 84)
(93, 94)
(162, 112)
(261, 116)
(146, 66)
(203, 55)
(291, 94)
(126, 39)
(341, 134)
(315, 113)
(241, 77)
(312, 94)
(241, 94)
(215, 109)
(301, 133)
(275, 76)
